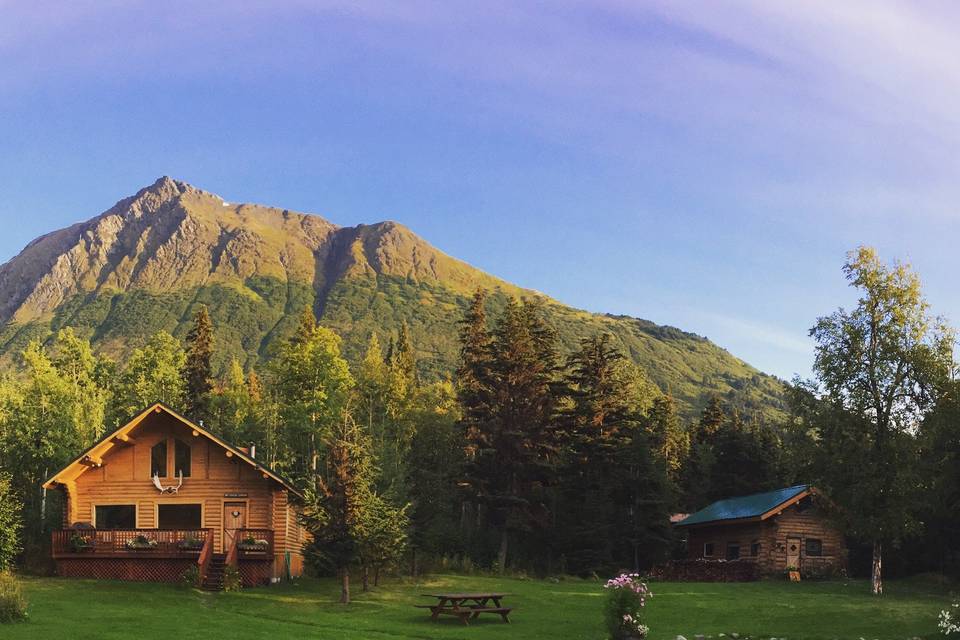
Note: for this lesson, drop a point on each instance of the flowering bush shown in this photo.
(626, 596)
(950, 620)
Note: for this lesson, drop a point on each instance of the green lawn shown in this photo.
(77, 609)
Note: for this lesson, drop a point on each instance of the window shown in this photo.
(178, 516)
(814, 547)
(755, 548)
(116, 516)
(181, 458)
(707, 549)
(158, 460)
(733, 551)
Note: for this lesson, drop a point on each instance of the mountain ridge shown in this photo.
(145, 263)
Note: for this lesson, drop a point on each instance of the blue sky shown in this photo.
(704, 165)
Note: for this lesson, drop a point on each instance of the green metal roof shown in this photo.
(752, 506)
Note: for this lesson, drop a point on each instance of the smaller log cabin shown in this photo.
(777, 529)
(161, 495)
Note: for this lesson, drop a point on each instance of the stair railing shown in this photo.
(206, 555)
(232, 559)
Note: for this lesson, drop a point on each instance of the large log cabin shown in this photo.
(161, 495)
(777, 529)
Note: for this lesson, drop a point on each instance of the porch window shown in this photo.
(179, 516)
(181, 458)
(814, 547)
(708, 550)
(158, 459)
(115, 516)
(733, 551)
(755, 548)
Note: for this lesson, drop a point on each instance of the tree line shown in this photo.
(526, 459)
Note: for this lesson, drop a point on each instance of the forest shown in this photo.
(524, 461)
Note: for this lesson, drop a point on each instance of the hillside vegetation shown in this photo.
(148, 262)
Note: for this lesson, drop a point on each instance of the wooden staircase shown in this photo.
(213, 580)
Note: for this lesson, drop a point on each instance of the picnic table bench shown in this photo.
(466, 606)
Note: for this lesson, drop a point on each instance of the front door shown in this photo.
(793, 552)
(234, 517)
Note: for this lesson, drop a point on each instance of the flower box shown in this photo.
(250, 545)
(141, 543)
(81, 544)
(190, 544)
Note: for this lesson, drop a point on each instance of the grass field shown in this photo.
(78, 609)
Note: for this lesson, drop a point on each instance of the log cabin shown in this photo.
(788, 527)
(162, 495)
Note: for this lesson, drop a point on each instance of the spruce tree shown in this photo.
(509, 408)
(197, 369)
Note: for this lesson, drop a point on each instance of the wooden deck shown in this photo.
(159, 555)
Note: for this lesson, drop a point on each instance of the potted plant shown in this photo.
(793, 572)
(251, 544)
(626, 597)
(80, 542)
(190, 543)
(141, 543)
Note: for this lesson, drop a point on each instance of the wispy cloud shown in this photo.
(744, 329)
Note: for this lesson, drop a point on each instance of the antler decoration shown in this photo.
(170, 489)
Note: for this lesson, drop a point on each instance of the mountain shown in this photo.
(147, 262)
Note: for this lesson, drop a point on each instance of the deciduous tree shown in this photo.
(882, 362)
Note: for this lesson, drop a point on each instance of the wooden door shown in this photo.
(234, 517)
(793, 552)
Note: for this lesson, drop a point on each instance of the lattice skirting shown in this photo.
(255, 573)
(130, 569)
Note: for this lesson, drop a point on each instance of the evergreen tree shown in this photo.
(383, 537)
(197, 370)
(307, 326)
(669, 437)
(597, 424)
(509, 420)
(339, 500)
(649, 495)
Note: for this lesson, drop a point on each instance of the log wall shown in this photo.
(125, 479)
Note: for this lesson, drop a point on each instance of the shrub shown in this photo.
(231, 579)
(191, 577)
(626, 597)
(13, 607)
(10, 523)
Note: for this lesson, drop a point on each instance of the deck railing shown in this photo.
(254, 543)
(181, 543)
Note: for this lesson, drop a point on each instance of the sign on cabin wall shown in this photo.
(235, 495)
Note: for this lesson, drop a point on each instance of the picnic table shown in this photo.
(466, 606)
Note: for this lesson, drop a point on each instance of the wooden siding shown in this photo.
(125, 479)
(803, 520)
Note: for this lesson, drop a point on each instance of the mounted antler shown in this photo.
(171, 489)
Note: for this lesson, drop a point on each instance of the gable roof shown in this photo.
(756, 507)
(93, 456)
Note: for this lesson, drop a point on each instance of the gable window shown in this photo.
(178, 516)
(813, 547)
(708, 550)
(115, 516)
(733, 551)
(181, 458)
(158, 459)
(755, 548)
